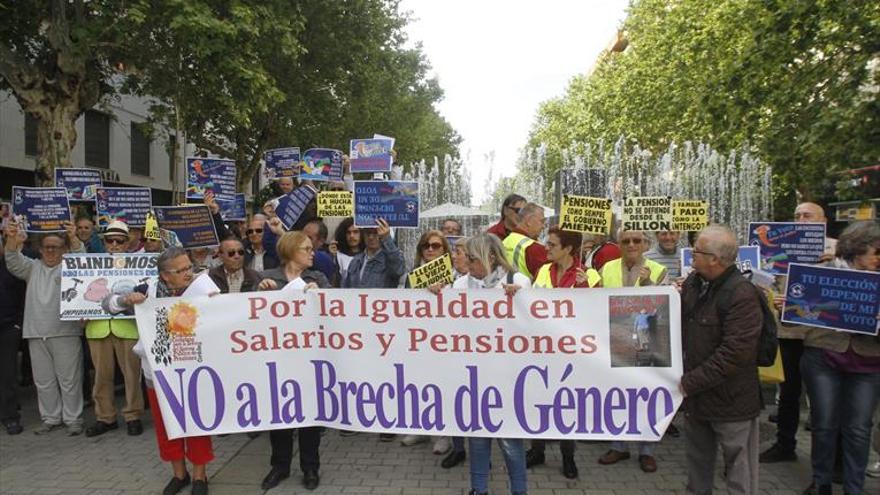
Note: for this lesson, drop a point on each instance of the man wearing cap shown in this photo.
(111, 341)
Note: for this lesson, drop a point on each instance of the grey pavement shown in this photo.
(115, 463)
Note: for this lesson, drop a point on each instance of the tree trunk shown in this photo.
(56, 136)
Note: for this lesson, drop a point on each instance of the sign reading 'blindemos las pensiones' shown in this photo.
(540, 364)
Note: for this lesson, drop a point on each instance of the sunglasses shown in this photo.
(435, 246)
(631, 241)
(253, 231)
(233, 252)
(115, 240)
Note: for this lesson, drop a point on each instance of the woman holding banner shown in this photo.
(488, 268)
(841, 371)
(297, 254)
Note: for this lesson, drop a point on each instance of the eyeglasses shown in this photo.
(704, 253)
(308, 249)
(115, 240)
(434, 246)
(636, 240)
(180, 271)
(52, 247)
(233, 252)
(253, 231)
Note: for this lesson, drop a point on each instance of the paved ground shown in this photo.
(117, 464)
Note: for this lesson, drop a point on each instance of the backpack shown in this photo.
(767, 344)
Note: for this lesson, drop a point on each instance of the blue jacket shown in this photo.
(382, 271)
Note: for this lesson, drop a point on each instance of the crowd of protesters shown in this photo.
(720, 383)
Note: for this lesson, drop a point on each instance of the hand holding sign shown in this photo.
(382, 228)
(211, 202)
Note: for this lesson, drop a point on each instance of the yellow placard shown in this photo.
(689, 215)
(151, 227)
(335, 204)
(647, 213)
(439, 270)
(585, 214)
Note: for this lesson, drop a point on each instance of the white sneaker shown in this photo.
(442, 445)
(873, 470)
(409, 440)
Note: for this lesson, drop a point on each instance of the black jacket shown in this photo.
(12, 291)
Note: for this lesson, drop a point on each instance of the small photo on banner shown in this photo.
(748, 258)
(126, 204)
(44, 209)
(281, 162)
(689, 215)
(192, 224)
(782, 243)
(397, 202)
(371, 155)
(585, 214)
(234, 211)
(321, 164)
(647, 213)
(335, 204)
(837, 299)
(640, 331)
(291, 206)
(210, 174)
(81, 183)
(433, 272)
(87, 279)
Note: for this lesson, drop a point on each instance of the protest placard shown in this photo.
(397, 202)
(44, 209)
(748, 258)
(86, 279)
(281, 162)
(371, 155)
(585, 214)
(81, 183)
(321, 164)
(647, 213)
(291, 206)
(210, 174)
(335, 204)
(502, 375)
(689, 215)
(192, 224)
(126, 204)
(233, 211)
(837, 299)
(432, 272)
(782, 243)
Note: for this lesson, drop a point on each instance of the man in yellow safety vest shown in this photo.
(523, 252)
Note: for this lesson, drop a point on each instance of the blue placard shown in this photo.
(782, 243)
(234, 211)
(321, 164)
(747, 258)
(81, 183)
(44, 209)
(192, 224)
(127, 204)
(371, 155)
(291, 206)
(395, 201)
(282, 162)
(210, 174)
(845, 300)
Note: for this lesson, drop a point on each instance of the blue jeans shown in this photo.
(842, 404)
(514, 457)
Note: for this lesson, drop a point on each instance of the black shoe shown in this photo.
(100, 427)
(453, 459)
(777, 454)
(200, 487)
(311, 480)
(134, 427)
(818, 490)
(275, 476)
(569, 468)
(386, 437)
(13, 427)
(534, 458)
(673, 431)
(175, 485)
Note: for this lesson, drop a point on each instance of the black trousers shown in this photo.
(789, 412)
(10, 339)
(565, 446)
(282, 448)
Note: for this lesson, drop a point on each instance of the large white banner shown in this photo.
(545, 363)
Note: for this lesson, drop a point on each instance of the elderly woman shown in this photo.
(297, 254)
(488, 268)
(459, 258)
(842, 374)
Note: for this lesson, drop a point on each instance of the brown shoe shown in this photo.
(647, 463)
(613, 456)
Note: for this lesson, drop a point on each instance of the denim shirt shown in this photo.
(382, 271)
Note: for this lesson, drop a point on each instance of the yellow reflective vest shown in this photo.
(515, 245)
(99, 329)
(543, 279)
(612, 273)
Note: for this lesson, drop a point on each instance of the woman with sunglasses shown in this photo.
(297, 255)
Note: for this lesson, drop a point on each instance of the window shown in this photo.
(97, 139)
(140, 150)
(30, 135)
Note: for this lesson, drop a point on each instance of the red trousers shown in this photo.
(197, 449)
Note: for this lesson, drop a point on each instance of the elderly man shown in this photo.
(721, 325)
(55, 347)
(85, 231)
(523, 251)
(255, 255)
(791, 347)
(451, 227)
(509, 215)
(111, 342)
(231, 276)
(667, 252)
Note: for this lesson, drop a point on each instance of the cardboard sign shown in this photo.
(397, 202)
(844, 300)
(281, 162)
(647, 214)
(126, 204)
(782, 243)
(321, 164)
(81, 183)
(86, 279)
(436, 271)
(689, 215)
(371, 155)
(210, 174)
(335, 204)
(45, 209)
(192, 224)
(585, 214)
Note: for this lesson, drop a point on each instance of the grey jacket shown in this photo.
(382, 271)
